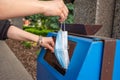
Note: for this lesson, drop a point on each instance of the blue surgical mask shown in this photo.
(61, 48)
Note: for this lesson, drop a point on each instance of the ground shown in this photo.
(27, 56)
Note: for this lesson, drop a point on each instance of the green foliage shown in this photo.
(27, 44)
(70, 18)
(36, 31)
(51, 22)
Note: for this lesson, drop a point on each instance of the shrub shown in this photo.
(51, 22)
(42, 32)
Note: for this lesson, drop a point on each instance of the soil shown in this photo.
(27, 56)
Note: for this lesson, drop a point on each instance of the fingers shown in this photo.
(66, 9)
(63, 15)
(52, 42)
(56, 8)
(48, 43)
(64, 12)
(49, 47)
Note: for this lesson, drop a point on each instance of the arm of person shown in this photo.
(19, 34)
(16, 8)
(12, 32)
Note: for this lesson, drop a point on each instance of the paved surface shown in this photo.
(10, 67)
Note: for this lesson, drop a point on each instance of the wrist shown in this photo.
(40, 41)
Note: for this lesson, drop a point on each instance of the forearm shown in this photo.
(12, 32)
(18, 34)
(15, 8)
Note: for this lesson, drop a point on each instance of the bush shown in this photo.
(33, 30)
(51, 22)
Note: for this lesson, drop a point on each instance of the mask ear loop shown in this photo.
(64, 30)
(64, 26)
(60, 26)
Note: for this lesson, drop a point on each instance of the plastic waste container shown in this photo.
(86, 56)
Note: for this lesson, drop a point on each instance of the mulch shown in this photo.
(27, 56)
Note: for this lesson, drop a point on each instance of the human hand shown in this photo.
(48, 43)
(56, 8)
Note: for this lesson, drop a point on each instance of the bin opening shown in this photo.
(52, 60)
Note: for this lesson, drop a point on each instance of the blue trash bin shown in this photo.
(85, 61)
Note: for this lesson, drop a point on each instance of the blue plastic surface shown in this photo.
(85, 63)
(116, 70)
